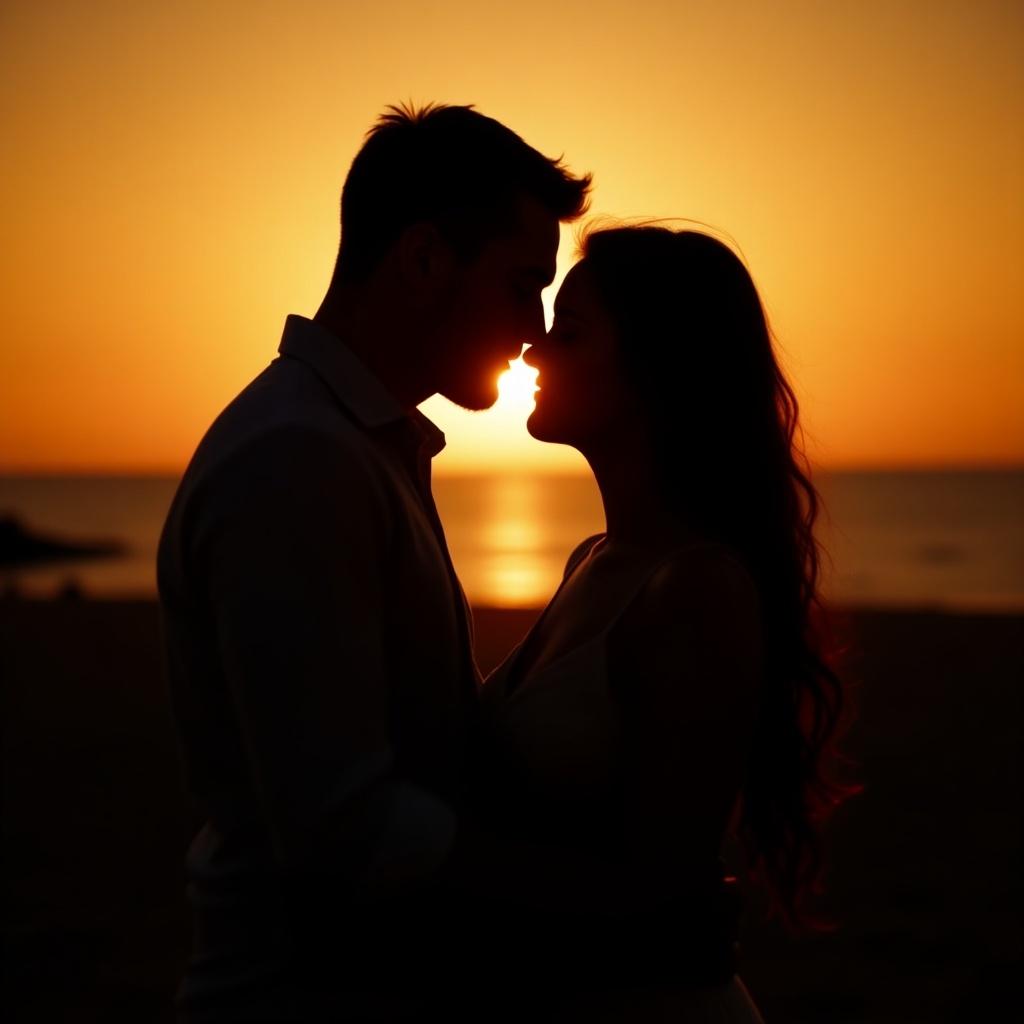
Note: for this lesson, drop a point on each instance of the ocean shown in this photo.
(929, 539)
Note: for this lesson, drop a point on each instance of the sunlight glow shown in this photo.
(516, 387)
(516, 530)
(496, 439)
(515, 582)
(208, 143)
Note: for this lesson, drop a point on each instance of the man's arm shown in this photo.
(291, 556)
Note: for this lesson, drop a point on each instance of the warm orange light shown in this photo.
(516, 387)
(175, 196)
(496, 440)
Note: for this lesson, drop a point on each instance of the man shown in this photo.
(318, 642)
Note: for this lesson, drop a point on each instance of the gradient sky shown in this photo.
(172, 173)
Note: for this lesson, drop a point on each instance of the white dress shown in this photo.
(556, 738)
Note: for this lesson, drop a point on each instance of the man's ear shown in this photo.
(426, 262)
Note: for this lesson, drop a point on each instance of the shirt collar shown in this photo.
(352, 383)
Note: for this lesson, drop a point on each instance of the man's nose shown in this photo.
(530, 356)
(534, 329)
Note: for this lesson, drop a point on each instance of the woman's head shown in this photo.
(660, 337)
(584, 396)
(661, 330)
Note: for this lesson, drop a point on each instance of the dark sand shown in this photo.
(927, 863)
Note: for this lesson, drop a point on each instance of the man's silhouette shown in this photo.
(318, 642)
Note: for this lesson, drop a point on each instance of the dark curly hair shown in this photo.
(695, 341)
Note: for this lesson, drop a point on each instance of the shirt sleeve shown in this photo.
(291, 556)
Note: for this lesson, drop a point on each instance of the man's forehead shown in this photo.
(537, 219)
(537, 236)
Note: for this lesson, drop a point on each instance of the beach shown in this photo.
(926, 863)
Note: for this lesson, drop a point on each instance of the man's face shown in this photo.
(496, 308)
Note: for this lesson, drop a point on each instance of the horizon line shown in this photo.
(165, 472)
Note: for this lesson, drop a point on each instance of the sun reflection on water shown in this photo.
(510, 535)
(515, 571)
(511, 532)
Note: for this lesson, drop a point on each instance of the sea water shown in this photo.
(936, 539)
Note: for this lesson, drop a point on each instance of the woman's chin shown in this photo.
(540, 428)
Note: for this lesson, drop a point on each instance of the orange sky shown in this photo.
(172, 172)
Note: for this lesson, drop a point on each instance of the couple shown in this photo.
(387, 836)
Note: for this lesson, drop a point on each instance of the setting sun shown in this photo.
(516, 387)
(497, 439)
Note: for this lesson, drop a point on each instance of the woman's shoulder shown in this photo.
(704, 586)
(580, 552)
(697, 616)
(704, 575)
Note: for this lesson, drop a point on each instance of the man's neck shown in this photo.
(382, 347)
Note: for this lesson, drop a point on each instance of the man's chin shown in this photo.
(472, 399)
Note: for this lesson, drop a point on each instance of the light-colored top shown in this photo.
(557, 739)
(318, 643)
(558, 726)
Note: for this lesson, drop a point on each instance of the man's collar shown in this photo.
(433, 435)
(352, 383)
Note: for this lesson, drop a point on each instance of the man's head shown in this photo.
(457, 218)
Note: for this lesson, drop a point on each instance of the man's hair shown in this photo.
(450, 166)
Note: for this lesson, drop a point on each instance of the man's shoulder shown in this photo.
(285, 401)
(286, 395)
(284, 429)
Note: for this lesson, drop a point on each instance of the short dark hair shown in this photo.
(453, 167)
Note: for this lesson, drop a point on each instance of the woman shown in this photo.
(674, 688)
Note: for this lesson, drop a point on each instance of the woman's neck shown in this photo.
(635, 509)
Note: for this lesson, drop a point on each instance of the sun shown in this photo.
(516, 387)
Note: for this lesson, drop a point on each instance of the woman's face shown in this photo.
(583, 395)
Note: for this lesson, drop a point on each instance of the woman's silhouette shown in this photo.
(675, 687)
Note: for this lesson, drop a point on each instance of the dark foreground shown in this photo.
(927, 863)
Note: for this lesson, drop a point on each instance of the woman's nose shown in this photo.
(530, 356)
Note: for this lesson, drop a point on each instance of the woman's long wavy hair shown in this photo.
(695, 342)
